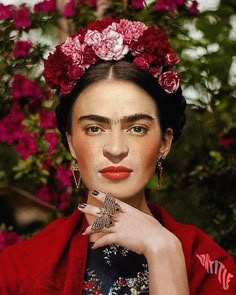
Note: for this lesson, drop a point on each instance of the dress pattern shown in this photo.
(114, 270)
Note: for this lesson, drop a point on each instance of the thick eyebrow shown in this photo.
(125, 119)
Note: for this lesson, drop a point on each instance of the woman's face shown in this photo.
(116, 137)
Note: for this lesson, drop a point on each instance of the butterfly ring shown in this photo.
(110, 209)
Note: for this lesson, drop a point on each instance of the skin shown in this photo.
(115, 123)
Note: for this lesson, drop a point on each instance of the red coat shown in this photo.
(53, 262)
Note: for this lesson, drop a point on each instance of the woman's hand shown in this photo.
(143, 234)
(131, 228)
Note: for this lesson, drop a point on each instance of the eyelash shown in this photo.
(144, 130)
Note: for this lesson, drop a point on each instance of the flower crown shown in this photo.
(112, 39)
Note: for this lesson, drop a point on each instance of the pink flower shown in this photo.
(47, 164)
(138, 4)
(8, 238)
(193, 9)
(171, 58)
(44, 194)
(47, 119)
(111, 45)
(141, 63)
(23, 87)
(22, 48)
(64, 175)
(26, 145)
(51, 138)
(165, 5)
(64, 199)
(11, 126)
(6, 11)
(22, 17)
(169, 81)
(45, 6)
(130, 31)
(69, 9)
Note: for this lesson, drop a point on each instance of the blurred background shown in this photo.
(36, 184)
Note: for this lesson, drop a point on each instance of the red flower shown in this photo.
(193, 9)
(169, 81)
(51, 138)
(22, 17)
(100, 25)
(11, 126)
(44, 194)
(138, 4)
(9, 238)
(88, 285)
(141, 63)
(23, 87)
(69, 9)
(64, 175)
(171, 58)
(47, 164)
(22, 48)
(122, 282)
(6, 11)
(26, 145)
(165, 5)
(45, 6)
(47, 119)
(156, 45)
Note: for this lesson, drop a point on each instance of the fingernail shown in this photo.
(82, 205)
(95, 193)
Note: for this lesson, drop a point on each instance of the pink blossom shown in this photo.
(51, 138)
(47, 119)
(45, 195)
(165, 5)
(22, 17)
(111, 45)
(23, 87)
(193, 9)
(64, 175)
(47, 164)
(8, 238)
(169, 81)
(45, 6)
(22, 48)
(131, 30)
(11, 126)
(26, 145)
(64, 199)
(69, 9)
(138, 4)
(171, 58)
(6, 11)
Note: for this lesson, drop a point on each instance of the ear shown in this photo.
(69, 140)
(166, 142)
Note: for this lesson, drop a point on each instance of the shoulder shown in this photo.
(209, 266)
(30, 258)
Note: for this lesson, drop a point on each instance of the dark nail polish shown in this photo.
(82, 205)
(95, 193)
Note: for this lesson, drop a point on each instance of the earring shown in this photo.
(76, 174)
(160, 169)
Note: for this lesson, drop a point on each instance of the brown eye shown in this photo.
(138, 130)
(93, 130)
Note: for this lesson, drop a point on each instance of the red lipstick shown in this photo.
(116, 172)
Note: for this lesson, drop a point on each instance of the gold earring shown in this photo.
(76, 174)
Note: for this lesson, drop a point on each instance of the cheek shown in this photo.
(149, 154)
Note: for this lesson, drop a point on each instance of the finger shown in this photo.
(90, 231)
(91, 210)
(102, 196)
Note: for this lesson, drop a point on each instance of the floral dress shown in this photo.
(114, 270)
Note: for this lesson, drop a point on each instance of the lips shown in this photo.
(116, 172)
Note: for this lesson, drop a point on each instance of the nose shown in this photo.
(115, 148)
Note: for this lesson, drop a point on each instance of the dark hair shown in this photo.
(170, 107)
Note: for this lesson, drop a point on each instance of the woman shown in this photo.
(120, 108)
